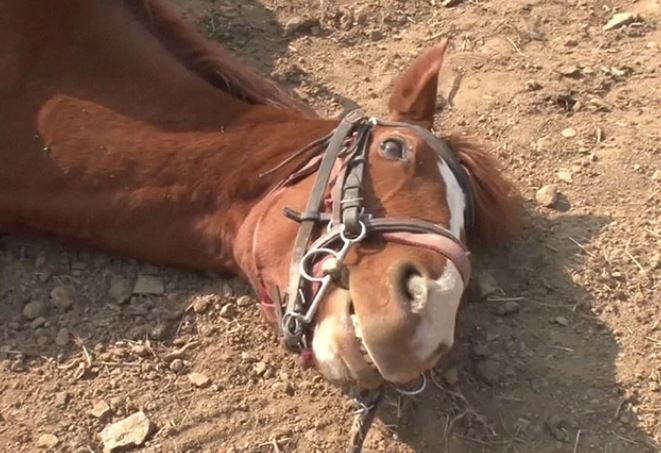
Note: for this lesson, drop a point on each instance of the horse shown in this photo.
(122, 129)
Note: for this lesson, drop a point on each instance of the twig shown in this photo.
(578, 438)
(653, 340)
(653, 233)
(505, 299)
(626, 250)
(179, 353)
(581, 246)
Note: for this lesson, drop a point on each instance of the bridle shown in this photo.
(347, 223)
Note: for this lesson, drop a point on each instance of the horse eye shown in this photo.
(393, 149)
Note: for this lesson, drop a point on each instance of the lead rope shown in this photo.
(368, 403)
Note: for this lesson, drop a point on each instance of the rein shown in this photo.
(316, 264)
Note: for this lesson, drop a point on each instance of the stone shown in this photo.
(61, 399)
(487, 284)
(489, 371)
(228, 311)
(244, 301)
(569, 132)
(508, 308)
(558, 428)
(176, 365)
(63, 297)
(656, 176)
(101, 410)
(451, 377)
(561, 321)
(120, 289)
(34, 309)
(38, 322)
(298, 24)
(533, 85)
(62, 337)
(201, 304)
(158, 332)
(260, 368)
(199, 380)
(282, 387)
(47, 441)
(620, 20)
(564, 176)
(148, 285)
(547, 196)
(129, 432)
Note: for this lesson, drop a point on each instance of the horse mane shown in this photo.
(209, 60)
(498, 207)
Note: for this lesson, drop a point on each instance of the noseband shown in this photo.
(347, 223)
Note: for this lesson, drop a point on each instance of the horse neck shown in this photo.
(135, 154)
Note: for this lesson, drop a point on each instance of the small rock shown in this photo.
(376, 35)
(656, 176)
(533, 85)
(47, 441)
(571, 71)
(228, 311)
(571, 42)
(62, 337)
(61, 399)
(199, 380)
(129, 432)
(101, 410)
(480, 350)
(260, 368)
(34, 309)
(451, 376)
(489, 371)
(487, 284)
(158, 332)
(311, 435)
(282, 387)
(63, 297)
(298, 24)
(619, 20)
(547, 196)
(38, 322)
(561, 321)
(565, 176)
(244, 301)
(120, 289)
(148, 284)
(176, 365)
(508, 308)
(569, 132)
(201, 304)
(558, 428)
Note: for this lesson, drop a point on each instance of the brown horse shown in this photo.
(124, 130)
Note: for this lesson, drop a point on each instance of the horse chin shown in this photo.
(340, 355)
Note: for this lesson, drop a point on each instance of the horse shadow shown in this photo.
(534, 368)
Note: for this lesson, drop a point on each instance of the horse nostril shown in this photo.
(412, 286)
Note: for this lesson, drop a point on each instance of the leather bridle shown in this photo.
(346, 223)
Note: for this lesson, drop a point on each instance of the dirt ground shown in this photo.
(561, 352)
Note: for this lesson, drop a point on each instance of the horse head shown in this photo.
(389, 312)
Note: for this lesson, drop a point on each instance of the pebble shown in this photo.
(101, 410)
(47, 441)
(176, 365)
(547, 196)
(244, 301)
(61, 399)
(260, 368)
(129, 432)
(487, 284)
(120, 289)
(619, 20)
(148, 284)
(199, 380)
(228, 311)
(38, 322)
(561, 321)
(34, 309)
(282, 387)
(489, 371)
(451, 377)
(565, 176)
(298, 24)
(569, 132)
(201, 304)
(63, 297)
(508, 308)
(533, 85)
(656, 176)
(158, 332)
(558, 428)
(62, 337)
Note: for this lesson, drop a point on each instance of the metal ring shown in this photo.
(310, 253)
(297, 328)
(417, 391)
(360, 237)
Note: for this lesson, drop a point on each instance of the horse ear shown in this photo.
(414, 97)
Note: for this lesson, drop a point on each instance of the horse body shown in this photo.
(124, 130)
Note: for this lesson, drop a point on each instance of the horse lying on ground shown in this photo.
(124, 130)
